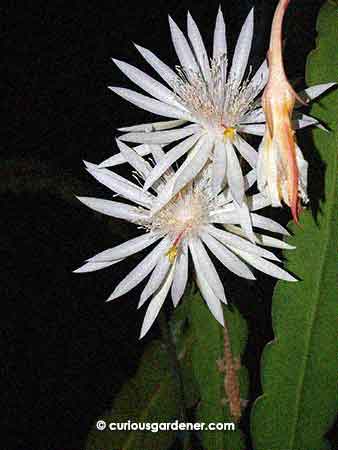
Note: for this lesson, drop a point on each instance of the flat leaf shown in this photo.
(299, 368)
(208, 348)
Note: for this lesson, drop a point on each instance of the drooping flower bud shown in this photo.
(279, 158)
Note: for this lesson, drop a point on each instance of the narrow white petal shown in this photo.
(258, 201)
(134, 159)
(147, 83)
(210, 298)
(168, 160)
(113, 209)
(268, 224)
(253, 117)
(155, 126)
(245, 149)
(219, 166)
(234, 173)
(256, 130)
(115, 160)
(249, 179)
(155, 279)
(141, 270)
(206, 267)
(220, 43)
(121, 186)
(156, 303)
(149, 104)
(240, 243)
(92, 267)
(259, 80)
(182, 48)
(303, 121)
(314, 91)
(242, 50)
(193, 165)
(245, 219)
(262, 239)
(181, 275)
(227, 258)
(165, 72)
(198, 47)
(160, 137)
(269, 241)
(127, 248)
(265, 266)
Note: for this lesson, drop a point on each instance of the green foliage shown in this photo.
(150, 396)
(208, 347)
(299, 368)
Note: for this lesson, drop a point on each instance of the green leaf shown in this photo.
(150, 396)
(299, 368)
(208, 348)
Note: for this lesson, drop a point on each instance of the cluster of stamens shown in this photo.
(182, 217)
(215, 102)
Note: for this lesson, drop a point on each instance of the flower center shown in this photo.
(229, 133)
(184, 215)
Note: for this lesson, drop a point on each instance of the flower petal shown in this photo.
(181, 275)
(155, 126)
(193, 164)
(182, 48)
(207, 268)
(208, 294)
(149, 104)
(160, 137)
(113, 209)
(234, 173)
(172, 156)
(245, 149)
(198, 47)
(127, 248)
(165, 72)
(265, 266)
(134, 159)
(121, 186)
(115, 160)
(156, 303)
(245, 219)
(147, 83)
(220, 43)
(92, 267)
(155, 279)
(242, 50)
(259, 80)
(253, 117)
(242, 244)
(141, 270)
(258, 201)
(227, 258)
(314, 91)
(262, 239)
(268, 224)
(257, 129)
(219, 167)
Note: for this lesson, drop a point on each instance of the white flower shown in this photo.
(212, 104)
(193, 220)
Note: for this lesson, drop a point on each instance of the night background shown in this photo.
(66, 351)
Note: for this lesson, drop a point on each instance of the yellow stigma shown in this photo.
(229, 133)
(172, 253)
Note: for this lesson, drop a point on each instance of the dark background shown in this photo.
(66, 351)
